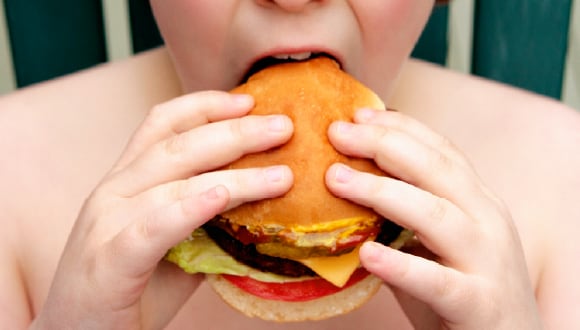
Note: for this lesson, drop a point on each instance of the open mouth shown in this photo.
(282, 58)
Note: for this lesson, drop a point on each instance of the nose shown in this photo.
(289, 5)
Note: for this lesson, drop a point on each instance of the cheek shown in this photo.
(193, 31)
(390, 29)
(188, 26)
(397, 20)
(184, 23)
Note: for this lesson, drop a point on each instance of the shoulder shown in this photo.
(145, 77)
(495, 123)
(59, 139)
(525, 145)
(50, 125)
(61, 135)
(110, 98)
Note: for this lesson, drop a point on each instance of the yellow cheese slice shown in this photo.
(336, 270)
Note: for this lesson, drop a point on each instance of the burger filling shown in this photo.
(212, 250)
(301, 242)
(249, 253)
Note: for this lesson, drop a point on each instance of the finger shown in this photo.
(443, 289)
(419, 314)
(411, 126)
(199, 150)
(171, 212)
(433, 219)
(182, 114)
(410, 160)
(136, 250)
(243, 185)
(168, 290)
(247, 185)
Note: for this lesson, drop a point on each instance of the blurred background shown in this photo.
(531, 44)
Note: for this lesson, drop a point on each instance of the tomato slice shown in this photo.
(293, 291)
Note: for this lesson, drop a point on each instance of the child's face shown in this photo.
(214, 42)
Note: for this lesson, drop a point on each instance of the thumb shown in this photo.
(419, 314)
(167, 291)
(403, 274)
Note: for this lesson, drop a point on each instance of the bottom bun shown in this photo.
(336, 304)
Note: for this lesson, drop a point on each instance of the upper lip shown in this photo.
(250, 65)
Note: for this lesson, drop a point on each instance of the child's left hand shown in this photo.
(478, 278)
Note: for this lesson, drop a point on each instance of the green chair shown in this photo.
(524, 43)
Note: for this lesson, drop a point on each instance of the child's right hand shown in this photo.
(164, 185)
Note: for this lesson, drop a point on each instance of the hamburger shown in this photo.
(295, 257)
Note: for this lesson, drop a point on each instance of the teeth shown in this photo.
(296, 57)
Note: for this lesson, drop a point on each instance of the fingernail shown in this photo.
(343, 173)
(371, 251)
(277, 123)
(275, 173)
(365, 115)
(243, 100)
(344, 127)
(214, 193)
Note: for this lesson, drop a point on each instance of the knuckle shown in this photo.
(453, 292)
(441, 162)
(444, 286)
(444, 143)
(175, 145)
(177, 190)
(238, 128)
(500, 204)
(185, 207)
(380, 190)
(438, 210)
(179, 194)
(450, 155)
(383, 135)
(401, 121)
(403, 269)
(156, 111)
(246, 180)
(392, 145)
(212, 98)
(244, 132)
(157, 117)
(101, 203)
(142, 230)
(386, 141)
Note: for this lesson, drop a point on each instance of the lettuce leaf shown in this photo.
(200, 254)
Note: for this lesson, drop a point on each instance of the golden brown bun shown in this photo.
(336, 304)
(313, 94)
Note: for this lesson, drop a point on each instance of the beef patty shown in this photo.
(248, 254)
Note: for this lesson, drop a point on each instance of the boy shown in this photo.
(487, 176)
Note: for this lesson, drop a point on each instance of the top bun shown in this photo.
(313, 94)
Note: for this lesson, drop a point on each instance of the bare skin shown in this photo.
(504, 134)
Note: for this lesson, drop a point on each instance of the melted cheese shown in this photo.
(336, 270)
